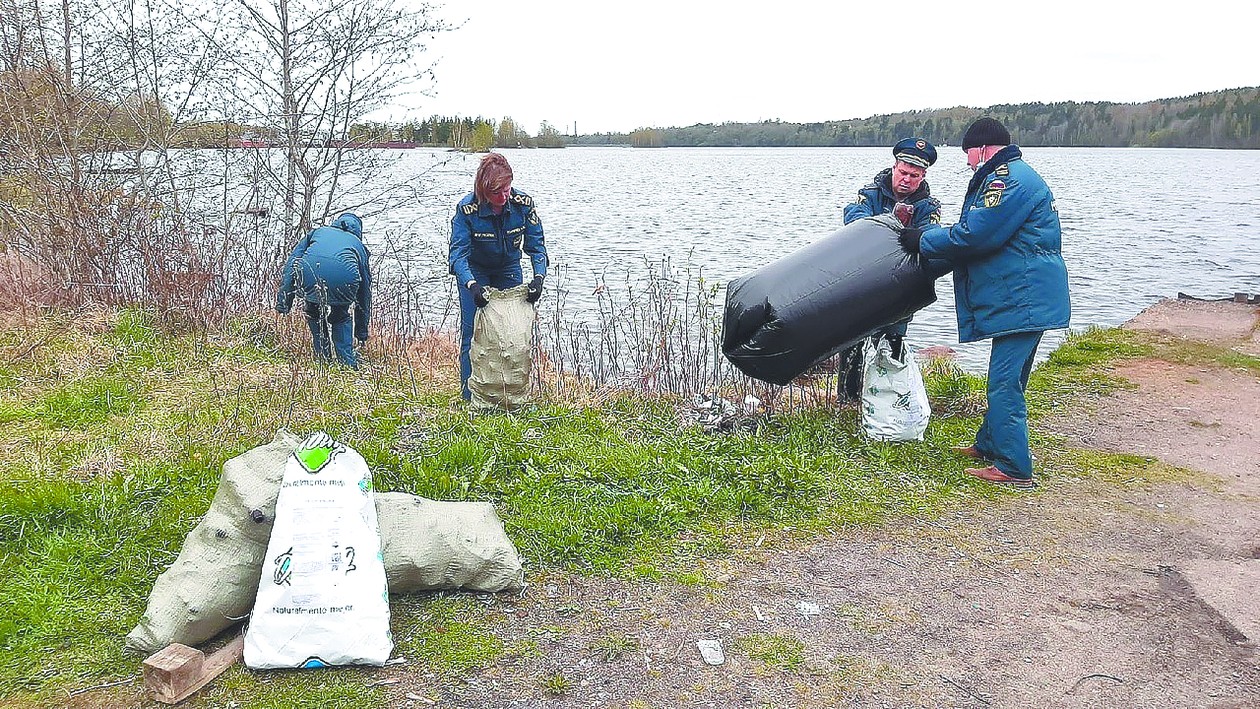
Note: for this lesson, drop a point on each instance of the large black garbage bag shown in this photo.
(797, 311)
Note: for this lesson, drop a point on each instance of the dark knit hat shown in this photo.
(985, 131)
(915, 151)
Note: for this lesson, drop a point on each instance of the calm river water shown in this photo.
(1138, 224)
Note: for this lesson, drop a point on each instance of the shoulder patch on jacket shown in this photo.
(470, 208)
(523, 199)
(1002, 170)
(993, 191)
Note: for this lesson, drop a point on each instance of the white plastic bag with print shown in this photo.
(322, 598)
(894, 401)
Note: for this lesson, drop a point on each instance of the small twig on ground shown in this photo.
(1097, 675)
(84, 690)
(968, 690)
(31, 348)
(894, 562)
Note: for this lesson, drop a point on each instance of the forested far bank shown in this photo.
(1217, 119)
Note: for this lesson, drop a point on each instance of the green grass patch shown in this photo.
(774, 650)
(1198, 354)
(342, 688)
(613, 647)
(90, 401)
(447, 634)
(1081, 367)
(1124, 469)
(555, 685)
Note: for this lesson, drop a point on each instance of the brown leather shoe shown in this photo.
(968, 451)
(993, 475)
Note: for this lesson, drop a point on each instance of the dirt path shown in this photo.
(1083, 595)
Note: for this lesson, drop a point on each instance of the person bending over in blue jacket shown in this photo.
(329, 267)
(1010, 284)
(493, 226)
(902, 191)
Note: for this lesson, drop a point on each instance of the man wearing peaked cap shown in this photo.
(915, 151)
(902, 191)
(1010, 285)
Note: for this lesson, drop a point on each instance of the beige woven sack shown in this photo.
(501, 359)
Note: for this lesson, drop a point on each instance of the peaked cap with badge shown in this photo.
(915, 151)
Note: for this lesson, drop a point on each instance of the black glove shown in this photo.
(535, 290)
(909, 239)
(479, 294)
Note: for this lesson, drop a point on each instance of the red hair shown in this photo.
(493, 173)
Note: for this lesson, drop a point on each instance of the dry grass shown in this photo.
(25, 289)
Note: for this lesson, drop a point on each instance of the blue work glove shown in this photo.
(535, 290)
(479, 294)
(909, 239)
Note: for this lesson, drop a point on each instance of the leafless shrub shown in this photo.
(26, 288)
(657, 331)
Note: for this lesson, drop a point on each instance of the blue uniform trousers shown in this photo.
(502, 280)
(1003, 436)
(332, 328)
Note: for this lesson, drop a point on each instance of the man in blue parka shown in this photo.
(494, 225)
(1010, 284)
(903, 191)
(329, 267)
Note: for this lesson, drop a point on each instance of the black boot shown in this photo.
(851, 372)
(898, 345)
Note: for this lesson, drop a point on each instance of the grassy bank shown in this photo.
(112, 435)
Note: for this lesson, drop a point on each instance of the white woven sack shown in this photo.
(894, 401)
(322, 598)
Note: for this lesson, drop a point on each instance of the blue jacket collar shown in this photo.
(1001, 157)
(484, 209)
(884, 180)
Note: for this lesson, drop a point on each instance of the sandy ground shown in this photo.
(1078, 595)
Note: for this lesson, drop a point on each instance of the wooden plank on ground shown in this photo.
(176, 671)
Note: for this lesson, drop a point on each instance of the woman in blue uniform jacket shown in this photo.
(493, 227)
(330, 268)
(1010, 284)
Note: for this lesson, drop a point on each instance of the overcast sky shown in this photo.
(619, 66)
